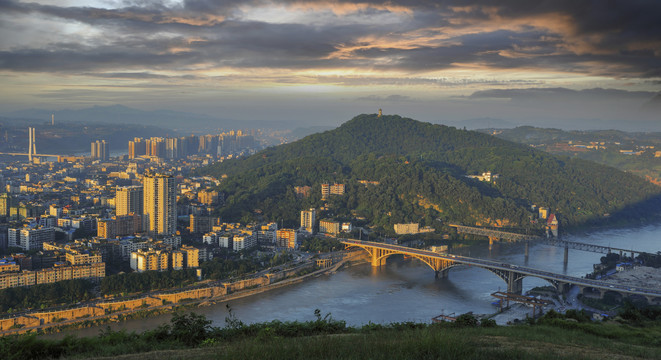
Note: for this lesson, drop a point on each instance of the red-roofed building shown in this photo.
(552, 225)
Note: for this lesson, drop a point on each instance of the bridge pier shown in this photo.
(566, 255)
(562, 288)
(377, 259)
(442, 274)
(514, 284)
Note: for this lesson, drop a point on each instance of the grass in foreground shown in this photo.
(190, 336)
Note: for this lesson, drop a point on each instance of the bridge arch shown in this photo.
(513, 275)
(378, 257)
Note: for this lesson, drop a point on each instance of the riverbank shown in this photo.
(639, 276)
(102, 312)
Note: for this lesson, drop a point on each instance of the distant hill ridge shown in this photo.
(422, 172)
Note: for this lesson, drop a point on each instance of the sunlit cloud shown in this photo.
(448, 50)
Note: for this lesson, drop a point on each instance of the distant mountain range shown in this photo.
(485, 123)
(181, 122)
(421, 170)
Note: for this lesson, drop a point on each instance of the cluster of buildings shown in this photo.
(164, 258)
(552, 223)
(325, 226)
(100, 150)
(486, 176)
(121, 211)
(236, 237)
(55, 263)
(221, 145)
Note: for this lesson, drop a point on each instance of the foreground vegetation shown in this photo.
(636, 333)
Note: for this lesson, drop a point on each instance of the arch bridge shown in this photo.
(512, 274)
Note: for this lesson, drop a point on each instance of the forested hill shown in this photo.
(421, 169)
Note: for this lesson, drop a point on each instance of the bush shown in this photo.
(190, 329)
(466, 320)
(488, 323)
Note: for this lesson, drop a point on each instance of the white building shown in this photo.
(226, 241)
(210, 238)
(48, 221)
(244, 241)
(30, 239)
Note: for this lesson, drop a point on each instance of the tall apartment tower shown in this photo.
(137, 148)
(5, 204)
(307, 220)
(129, 200)
(99, 150)
(160, 203)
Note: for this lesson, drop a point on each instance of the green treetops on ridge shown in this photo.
(422, 171)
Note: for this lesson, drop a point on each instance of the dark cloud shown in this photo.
(615, 38)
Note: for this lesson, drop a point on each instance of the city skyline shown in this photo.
(321, 63)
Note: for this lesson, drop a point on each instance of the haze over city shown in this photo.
(565, 64)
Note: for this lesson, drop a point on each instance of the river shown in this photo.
(406, 290)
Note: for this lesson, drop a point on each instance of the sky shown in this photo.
(551, 63)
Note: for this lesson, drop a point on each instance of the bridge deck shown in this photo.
(547, 241)
(502, 266)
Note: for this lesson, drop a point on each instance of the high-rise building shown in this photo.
(172, 148)
(286, 238)
(5, 204)
(308, 220)
(191, 255)
(100, 150)
(156, 147)
(129, 200)
(160, 203)
(137, 148)
(55, 210)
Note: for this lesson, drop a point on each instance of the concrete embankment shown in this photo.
(102, 310)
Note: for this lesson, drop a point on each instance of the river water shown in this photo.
(406, 290)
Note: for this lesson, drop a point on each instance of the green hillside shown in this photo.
(421, 171)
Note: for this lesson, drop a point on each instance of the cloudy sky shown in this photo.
(561, 63)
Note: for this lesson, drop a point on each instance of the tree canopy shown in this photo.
(421, 169)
